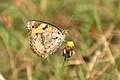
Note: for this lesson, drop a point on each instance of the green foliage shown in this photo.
(94, 28)
(10, 40)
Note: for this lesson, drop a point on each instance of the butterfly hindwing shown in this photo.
(45, 38)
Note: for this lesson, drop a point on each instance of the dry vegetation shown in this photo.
(93, 25)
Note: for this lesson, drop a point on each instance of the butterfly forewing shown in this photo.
(45, 38)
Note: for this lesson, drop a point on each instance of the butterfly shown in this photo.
(45, 38)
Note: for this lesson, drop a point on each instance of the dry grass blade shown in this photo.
(106, 45)
(93, 63)
(99, 73)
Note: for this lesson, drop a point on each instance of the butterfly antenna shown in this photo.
(68, 22)
(67, 26)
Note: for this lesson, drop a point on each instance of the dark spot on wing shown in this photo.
(36, 33)
(58, 32)
(45, 27)
(55, 38)
(33, 26)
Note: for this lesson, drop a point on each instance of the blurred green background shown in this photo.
(93, 25)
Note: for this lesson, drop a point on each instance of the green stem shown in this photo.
(61, 69)
(65, 58)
